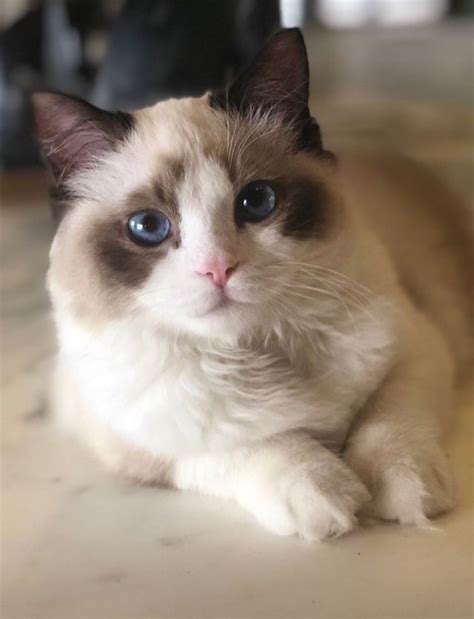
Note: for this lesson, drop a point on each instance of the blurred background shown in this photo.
(130, 53)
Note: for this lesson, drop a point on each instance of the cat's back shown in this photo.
(426, 229)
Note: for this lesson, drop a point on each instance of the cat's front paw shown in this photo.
(307, 501)
(409, 488)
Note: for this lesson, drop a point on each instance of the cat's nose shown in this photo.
(219, 271)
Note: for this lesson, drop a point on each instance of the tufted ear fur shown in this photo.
(277, 82)
(72, 132)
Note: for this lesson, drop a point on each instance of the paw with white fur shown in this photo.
(407, 487)
(315, 499)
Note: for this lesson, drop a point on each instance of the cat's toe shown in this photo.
(303, 504)
(414, 490)
(321, 513)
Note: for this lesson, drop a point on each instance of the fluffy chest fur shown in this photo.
(174, 397)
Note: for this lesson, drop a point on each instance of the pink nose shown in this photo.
(217, 270)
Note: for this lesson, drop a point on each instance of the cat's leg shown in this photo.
(290, 483)
(395, 444)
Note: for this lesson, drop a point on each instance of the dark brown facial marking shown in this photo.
(163, 195)
(120, 262)
(304, 213)
(302, 208)
(164, 186)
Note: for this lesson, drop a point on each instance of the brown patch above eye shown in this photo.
(163, 190)
(305, 208)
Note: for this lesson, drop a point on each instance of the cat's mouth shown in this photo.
(222, 302)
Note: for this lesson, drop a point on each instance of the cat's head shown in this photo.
(197, 215)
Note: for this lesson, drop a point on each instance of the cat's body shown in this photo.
(316, 363)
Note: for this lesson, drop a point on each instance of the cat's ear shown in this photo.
(277, 82)
(72, 132)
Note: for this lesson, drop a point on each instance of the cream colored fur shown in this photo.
(320, 393)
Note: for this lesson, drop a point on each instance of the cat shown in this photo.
(241, 313)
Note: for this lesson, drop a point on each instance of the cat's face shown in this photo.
(195, 215)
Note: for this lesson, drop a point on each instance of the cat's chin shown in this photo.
(221, 305)
(214, 315)
(225, 320)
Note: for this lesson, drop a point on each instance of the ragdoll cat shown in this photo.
(240, 314)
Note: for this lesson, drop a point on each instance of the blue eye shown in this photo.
(255, 202)
(148, 227)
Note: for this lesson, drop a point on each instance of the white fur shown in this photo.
(255, 400)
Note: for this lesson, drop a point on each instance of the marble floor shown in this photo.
(77, 542)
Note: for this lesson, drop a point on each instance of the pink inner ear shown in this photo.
(72, 132)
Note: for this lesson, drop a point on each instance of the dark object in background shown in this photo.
(163, 48)
(44, 49)
(462, 7)
(156, 49)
